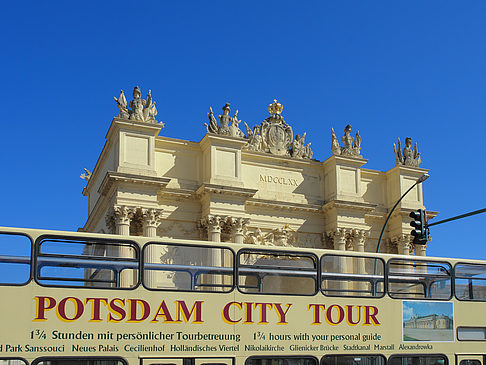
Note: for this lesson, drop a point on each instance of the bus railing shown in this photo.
(118, 265)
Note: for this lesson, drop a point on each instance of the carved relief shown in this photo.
(284, 237)
(351, 146)
(141, 109)
(407, 157)
(254, 238)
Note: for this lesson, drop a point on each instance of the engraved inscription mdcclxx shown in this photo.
(278, 180)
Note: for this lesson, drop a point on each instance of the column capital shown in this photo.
(237, 225)
(340, 238)
(420, 250)
(119, 215)
(151, 217)
(123, 214)
(358, 238)
(403, 243)
(213, 223)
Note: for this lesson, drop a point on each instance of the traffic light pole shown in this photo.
(419, 180)
(457, 217)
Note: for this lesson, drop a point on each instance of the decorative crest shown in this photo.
(141, 109)
(273, 135)
(275, 108)
(352, 146)
(407, 157)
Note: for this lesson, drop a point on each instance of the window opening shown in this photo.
(270, 272)
(352, 276)
(188, 268)
(419, 279)
(85, 262)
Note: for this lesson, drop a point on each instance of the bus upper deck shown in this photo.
(72, 295)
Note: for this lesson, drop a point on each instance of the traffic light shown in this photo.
(420, 232)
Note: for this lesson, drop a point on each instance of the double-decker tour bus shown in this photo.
(79, 298)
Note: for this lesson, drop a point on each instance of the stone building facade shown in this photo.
(432, 321)
(262, 186)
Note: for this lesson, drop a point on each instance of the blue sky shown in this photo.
(391, 69)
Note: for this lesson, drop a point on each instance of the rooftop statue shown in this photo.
(224, 127)
(141, 109)
(352, 146)
(300, 149)
(86, 175)
(407, 157)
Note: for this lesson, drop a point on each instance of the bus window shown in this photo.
(12, 361)
(274, 272)
(188, 268)
(470, 282)
(85, 262)
(419, 279)
(352, 276)
(77, 361)
(353, 360)
(471, 333)
(417, 360)
(281, 360)
(470, 362)
(15, 252)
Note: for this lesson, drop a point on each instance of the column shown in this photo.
(237, 226)
(420, 250)
(151, 219)
(403, 244)
(122, 217)
(340, 263)
(358, 238)
(214, 224)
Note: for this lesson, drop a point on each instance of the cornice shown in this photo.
(263, 158)
(225, 190)
(112, 177)
(345, 204)
(411, 171)
(281, 205)
(403, 212)
(345, 161)
(222, 141)
(178, 193)
(117, 123)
